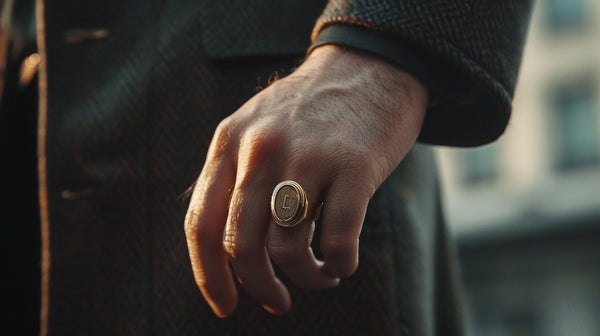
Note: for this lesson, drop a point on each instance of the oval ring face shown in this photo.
(288, 204)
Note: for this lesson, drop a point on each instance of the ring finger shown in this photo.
(289, 246)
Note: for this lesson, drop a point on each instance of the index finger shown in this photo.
(204, 225)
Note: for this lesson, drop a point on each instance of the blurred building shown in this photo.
(526, 209)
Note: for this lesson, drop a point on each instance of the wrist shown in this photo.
(393, 91)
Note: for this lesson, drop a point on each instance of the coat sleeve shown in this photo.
(468, 53)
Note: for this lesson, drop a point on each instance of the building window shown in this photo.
(480, 164)
(565, 14)
(576, 114)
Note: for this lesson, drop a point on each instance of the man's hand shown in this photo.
(338, 126)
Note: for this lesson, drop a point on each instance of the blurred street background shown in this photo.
(526, 210)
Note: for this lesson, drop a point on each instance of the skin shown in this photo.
(338, 125)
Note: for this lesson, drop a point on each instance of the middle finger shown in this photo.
(245, 240)
(289, 247)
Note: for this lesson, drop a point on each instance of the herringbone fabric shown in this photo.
(268, 27)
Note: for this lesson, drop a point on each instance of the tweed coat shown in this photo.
(130, 92)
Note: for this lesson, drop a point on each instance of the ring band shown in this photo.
(289, 204)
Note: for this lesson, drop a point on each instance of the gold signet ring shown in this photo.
(289, 205)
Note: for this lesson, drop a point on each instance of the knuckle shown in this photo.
(336, 246)
(224, 137)
(347, 270)
(204, 282)
(244, 183)
(360, 170)
(341, 256)
(225, 128)
(235, 248)
(212, 287)
(349, 161)
(343, 270)
(191, 224)
(282, 253)
(258, 151)
(230, 244)
(195, 229)
(259, 141)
